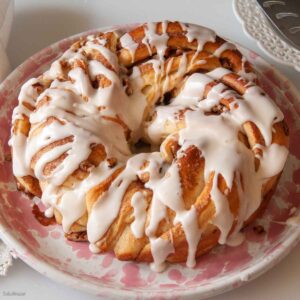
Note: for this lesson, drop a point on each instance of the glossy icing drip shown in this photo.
(139, 205)
(82, 116)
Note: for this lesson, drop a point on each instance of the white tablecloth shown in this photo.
(38, 23)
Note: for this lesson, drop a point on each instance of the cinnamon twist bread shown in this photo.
(157, 143)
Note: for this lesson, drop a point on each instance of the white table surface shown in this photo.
(38, 23)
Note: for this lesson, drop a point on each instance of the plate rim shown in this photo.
(50, 271)
(258, 42)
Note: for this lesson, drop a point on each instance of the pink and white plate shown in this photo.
(224, 268)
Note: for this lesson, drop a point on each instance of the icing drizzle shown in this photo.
(81, 116)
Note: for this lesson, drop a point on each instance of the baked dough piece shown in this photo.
(214, 145)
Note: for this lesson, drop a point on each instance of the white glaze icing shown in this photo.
(193, 90)
(153, 39)
(235, 239)
(160, 249)
(189, 221)
(93, 248)
(223, 47)
(199, 33)
(128, 43)
(139, 205)
(90, 116)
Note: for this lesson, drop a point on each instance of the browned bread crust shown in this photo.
(195, 190)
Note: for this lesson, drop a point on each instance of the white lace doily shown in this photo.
(256, 25)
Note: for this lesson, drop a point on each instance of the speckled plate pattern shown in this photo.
(224, 268)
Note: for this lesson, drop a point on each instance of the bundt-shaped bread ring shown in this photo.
(156, 143)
